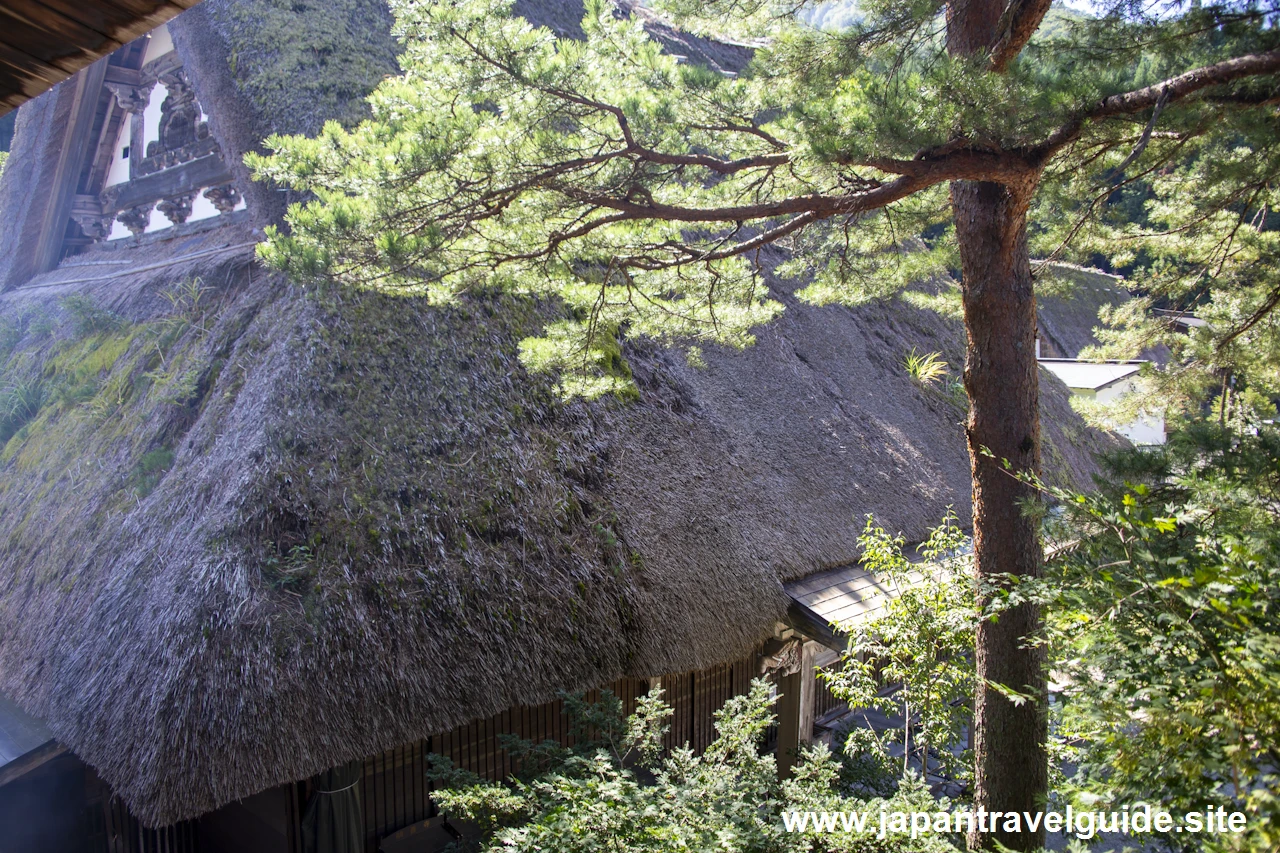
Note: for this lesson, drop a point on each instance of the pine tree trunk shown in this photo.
(1001, 378)
(1003, 383)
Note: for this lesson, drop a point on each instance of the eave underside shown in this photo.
(43, 42)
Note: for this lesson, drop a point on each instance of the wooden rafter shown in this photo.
(45, 41)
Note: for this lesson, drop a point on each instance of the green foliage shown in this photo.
(866, 767)
(40, 325)
(149, 471)
(1164, 626)
(19, 404)
(639, 189)
(373, 183)
(1184, 207)
(923, 641)
(831, 15)
(925, 368)
(290, 570)
(1163, 634)
(88, 318)
(11, 333)
(94, 370)
(616, 790)
(304, 61)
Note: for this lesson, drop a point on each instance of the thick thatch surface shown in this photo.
(250, 533)
(1069, 315)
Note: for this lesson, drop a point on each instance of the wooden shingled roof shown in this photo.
(45, 41)
(845, 595)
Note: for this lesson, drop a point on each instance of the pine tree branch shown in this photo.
(1146, 135)
(1227, 71)
(641, 152)
(1268, 305)
(958, 164)
(1172, 89)
(1019, 21)
(914, 176)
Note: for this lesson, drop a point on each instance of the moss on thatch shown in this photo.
(303, 62)
(252, 533)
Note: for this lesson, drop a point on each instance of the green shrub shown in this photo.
(150, 469)
(19, 404)
(89, 319)
(925, 368)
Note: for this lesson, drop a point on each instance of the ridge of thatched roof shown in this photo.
(251, 532)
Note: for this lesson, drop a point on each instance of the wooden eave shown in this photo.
(45, 41)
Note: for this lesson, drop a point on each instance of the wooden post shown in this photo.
(808, 689)
(47, 251)
(795, 709)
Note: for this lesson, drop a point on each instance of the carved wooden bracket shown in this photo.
(136, 218)
(180, 124)
(177, 208)
(225, 197)
(131, 99)
(781, 657)
(158, 158)
(94, 225)
(86, 211)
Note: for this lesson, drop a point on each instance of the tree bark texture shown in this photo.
(1002, 380)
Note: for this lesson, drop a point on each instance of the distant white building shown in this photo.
(1106, 381)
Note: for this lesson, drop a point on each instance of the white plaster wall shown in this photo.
(119, 232)
(158, 44)
(118, 172)
(1147, 429)
(201, 208)
(1116, 390)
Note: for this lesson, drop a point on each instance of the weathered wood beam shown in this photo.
(805, 621)
(205, 171)
(33, 759)
(75, 147)
(125, 76)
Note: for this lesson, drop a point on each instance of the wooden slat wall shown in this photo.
(394, 792)
(123, 832)
(825, 702)
(696, 696)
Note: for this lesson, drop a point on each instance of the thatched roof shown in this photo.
(1069, 316)
(251, 532)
